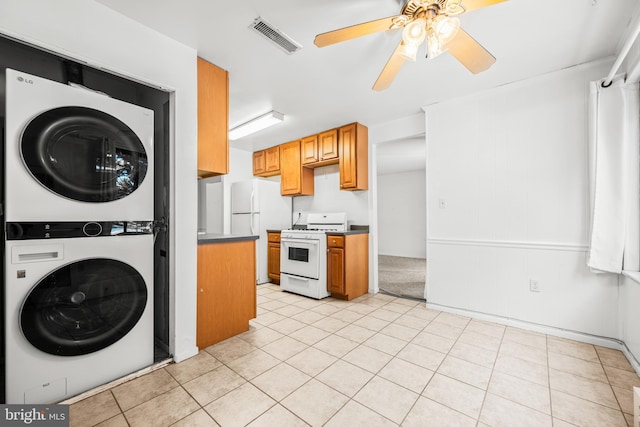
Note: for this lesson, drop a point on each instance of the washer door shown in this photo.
(83, 307)
(84, 154)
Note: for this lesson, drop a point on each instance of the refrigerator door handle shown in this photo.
(253, 230)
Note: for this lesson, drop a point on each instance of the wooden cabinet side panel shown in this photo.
(213, 119)
(226, 294)
(356, 265)
(362, 154)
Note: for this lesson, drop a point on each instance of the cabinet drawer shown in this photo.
(335, 241)
(274, 237)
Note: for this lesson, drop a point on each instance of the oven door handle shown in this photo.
(309, 242)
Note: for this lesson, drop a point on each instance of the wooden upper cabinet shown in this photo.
(328, 145)
(267, 162)
(213, 120)
(259, 162)
(321, 149)
(309, 149)
(295, 180)
(353, 147)
(272, 158)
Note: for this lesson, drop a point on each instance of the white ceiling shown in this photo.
(321, 88)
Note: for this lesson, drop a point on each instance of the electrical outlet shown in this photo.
(534, 285)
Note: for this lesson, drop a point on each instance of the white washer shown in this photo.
(73, 154)
(55, 324)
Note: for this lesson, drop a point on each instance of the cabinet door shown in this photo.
(328, 145)
(354, 153)
(348, 164)
(335, 270)
(259, 163)
(294, 179)
(213, 120)
(273, 260)
(290, 168)
(309, 149)
(272, 159)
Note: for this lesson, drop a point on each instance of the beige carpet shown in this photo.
(400, 276)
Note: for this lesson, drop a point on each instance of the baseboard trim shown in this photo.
(115, 382)
(601, 341)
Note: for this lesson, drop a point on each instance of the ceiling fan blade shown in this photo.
(359, 30)
(470, 53)
(471, 5)
(389, 71)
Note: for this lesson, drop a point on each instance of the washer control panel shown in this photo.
(63, 230)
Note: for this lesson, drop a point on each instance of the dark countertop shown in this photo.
(273, 231)
(204, 239)
(346, 233)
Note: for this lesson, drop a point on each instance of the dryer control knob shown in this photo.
(92, 229)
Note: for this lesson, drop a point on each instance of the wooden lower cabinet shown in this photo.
(273, 256)
(226, 290)
(348, 265)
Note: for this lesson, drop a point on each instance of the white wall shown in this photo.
(329, 198)
(85, 30)
(630, 318)
(401, 214)
(510, 164)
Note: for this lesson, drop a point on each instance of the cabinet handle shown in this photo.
(201, 290)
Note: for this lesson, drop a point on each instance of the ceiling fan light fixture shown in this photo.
(413, 35)
(446, 28)
(408, 51)
(415, 32)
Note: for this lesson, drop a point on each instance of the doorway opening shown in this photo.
(401, 195)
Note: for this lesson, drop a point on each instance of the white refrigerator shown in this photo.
(257, 206)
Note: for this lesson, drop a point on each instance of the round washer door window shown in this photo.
(84, 154)
(83, 307)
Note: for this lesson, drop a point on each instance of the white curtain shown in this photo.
(614, 136)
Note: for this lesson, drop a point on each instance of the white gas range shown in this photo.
(303, 259)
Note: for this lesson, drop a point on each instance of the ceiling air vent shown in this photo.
(276, 36)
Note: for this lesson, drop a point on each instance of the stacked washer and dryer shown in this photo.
(79, 239)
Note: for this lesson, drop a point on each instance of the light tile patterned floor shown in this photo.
(375, 361)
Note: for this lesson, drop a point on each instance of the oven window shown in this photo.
(299, 254)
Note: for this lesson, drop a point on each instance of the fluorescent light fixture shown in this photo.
(256, 124)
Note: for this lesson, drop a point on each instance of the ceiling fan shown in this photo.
(432, 20)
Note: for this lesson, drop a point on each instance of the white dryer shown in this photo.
(78, 310)
(73, 154)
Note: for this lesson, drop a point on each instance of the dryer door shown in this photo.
(84, 154)
(83, 307)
